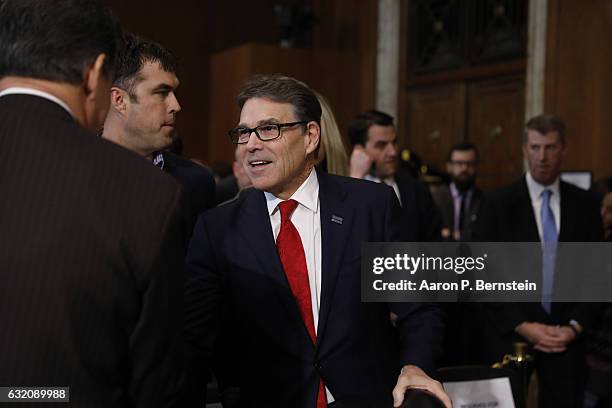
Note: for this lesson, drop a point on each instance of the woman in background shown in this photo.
(332, 152)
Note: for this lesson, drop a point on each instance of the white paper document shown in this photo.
(492, 393)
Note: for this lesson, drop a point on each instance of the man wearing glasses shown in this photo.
(284, 260)
(459, 202)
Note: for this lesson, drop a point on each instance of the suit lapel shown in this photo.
(567, 212)
(256, 231)
(336, 221)
(525, 220)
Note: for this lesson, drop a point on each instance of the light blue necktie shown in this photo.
(549, 249)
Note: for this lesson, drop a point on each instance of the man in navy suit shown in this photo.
(283, 259)
(142, 118)
(541, 208)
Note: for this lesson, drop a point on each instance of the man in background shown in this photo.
(459, 202)
(142, 118)
(375, 158)
(90, 298)
(541, 208)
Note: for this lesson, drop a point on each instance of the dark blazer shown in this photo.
(358, 354)
(444, 201)
(198, 185)
(508, 217)
(420, 219)
(91, 233)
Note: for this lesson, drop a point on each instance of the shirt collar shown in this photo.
(389, 180)
(455, 191)
(306, 195)
(18, 90)
(535, 188)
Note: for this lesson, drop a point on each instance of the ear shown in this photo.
(448, 167)
(119, 99)
(95, 94)
(313, 137)
(94, 76)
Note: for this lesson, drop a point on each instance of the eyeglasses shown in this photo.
(269, 131)
(463, 163)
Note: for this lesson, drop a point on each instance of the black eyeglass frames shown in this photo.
(269, 131)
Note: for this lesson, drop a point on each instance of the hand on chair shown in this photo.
(414, 377)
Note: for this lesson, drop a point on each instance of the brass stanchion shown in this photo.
(520, 360)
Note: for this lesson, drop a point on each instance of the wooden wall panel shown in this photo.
(436, 121)
(495, 125)
(579, 81)
(334, 74)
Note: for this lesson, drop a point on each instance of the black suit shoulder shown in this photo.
(421, 219)
(95, 234)
(368, 191)
(191, 175)
(199, 186)
(359, 192)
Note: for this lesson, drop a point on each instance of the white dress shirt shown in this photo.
(390, 181)
(535, 194)
(307, 221)
(16, 90)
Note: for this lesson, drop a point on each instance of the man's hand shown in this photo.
(360, 162)
(414, 377)
(546, 338)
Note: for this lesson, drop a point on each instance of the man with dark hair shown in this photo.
(544, 124)
(284, 259)
(142, 118)
(542, 208)
(90, 297)
(459, 202)
(375, 158)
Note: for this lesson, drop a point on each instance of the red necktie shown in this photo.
(291, 252)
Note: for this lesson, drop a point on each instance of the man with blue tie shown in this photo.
(283, 260)
(541, 207)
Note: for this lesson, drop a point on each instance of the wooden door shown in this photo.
(436, 121)
(495, 125)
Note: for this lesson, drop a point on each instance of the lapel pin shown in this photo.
(336, 219)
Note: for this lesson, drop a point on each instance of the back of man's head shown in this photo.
(136, 52)
(283, 89)
(55, 40)
(358, 127)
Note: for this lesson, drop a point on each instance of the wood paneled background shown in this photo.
(195, 31)
(461, 104)
(579, 80)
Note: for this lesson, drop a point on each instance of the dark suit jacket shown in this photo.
(358, 354)
(444, 201)
(198, 185)
(508, 217)
(90, 294)
(420, 219)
